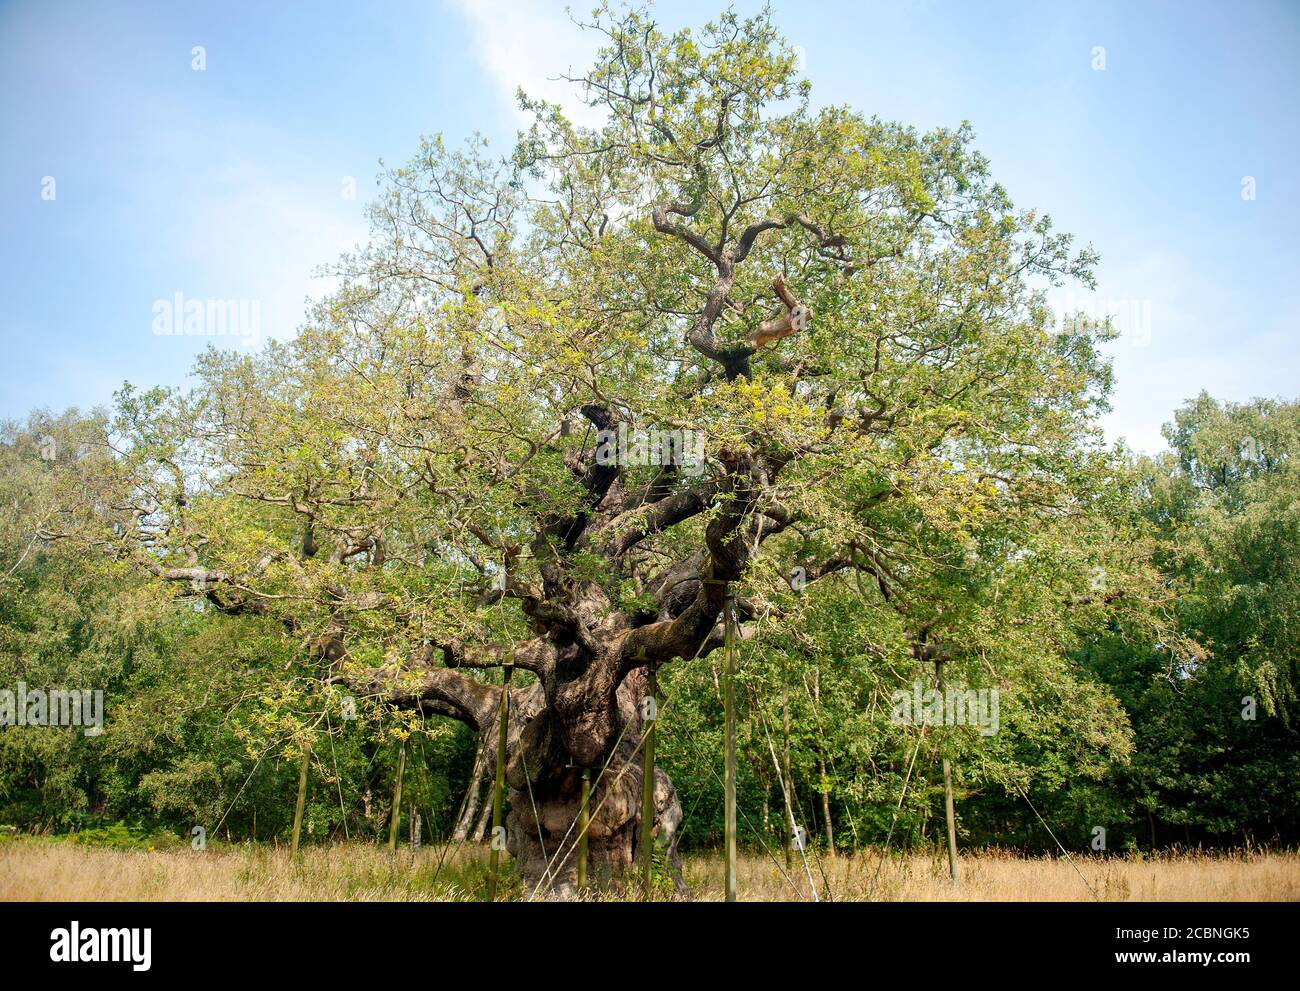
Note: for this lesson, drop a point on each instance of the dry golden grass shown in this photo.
(54, 871)
(45, 871)
(1006, 876)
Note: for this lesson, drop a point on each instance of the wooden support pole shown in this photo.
(650, 714)
(729, 724)
(499, 790)
(787, 780)
(952, 819)
(949, 812)
(302, 801)
(821, 761)
(584, 826)
(395, 816)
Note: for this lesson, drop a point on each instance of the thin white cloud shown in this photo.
(207, 197)
(298, 230)
(1158, 309)
(238, 211)
(528, 44)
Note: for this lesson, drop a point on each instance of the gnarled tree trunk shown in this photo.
(590, 660)
(545, 797)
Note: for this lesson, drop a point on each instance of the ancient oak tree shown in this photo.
(844, 318)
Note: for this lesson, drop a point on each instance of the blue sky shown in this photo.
(228, 183)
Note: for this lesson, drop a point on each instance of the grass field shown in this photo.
(42, 870)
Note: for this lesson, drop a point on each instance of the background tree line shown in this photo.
(1176, 735)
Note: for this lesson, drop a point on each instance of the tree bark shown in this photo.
(480, 827)
(545, 797)
(482, 757)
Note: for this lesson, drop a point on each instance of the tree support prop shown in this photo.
(499, 791)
